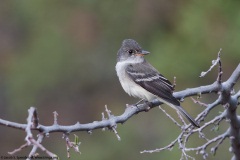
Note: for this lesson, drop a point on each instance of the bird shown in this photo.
(140, 79)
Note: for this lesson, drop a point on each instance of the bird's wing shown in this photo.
(150, 79)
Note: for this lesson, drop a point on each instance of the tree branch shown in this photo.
(111, 122)
(230, 103)
(129, 111)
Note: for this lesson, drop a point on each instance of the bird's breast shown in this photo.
(129, 86)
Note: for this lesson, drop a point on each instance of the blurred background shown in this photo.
(61, 55)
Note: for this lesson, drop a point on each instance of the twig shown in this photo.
(214, 63)
(220, 72)
(113, 125)
(18, 149)
(204, 146)
(75, 145)
(68, 145)
(204, 113)
(35, 147)
(170, 117)
(52, 155)
(29, 124)
(181, 118)
(199, 102)
(35, 118)
(55, 115)
(168, 147)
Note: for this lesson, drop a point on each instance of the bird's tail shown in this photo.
(185, 114)
(189, 118)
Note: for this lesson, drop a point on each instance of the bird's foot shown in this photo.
(148, 106)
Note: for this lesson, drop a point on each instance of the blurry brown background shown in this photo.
(61, 55)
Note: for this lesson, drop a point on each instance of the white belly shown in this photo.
(131, 87)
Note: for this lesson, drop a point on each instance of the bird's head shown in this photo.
(131, 51)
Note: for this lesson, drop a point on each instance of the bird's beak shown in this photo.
(142, 53)
(145, 52)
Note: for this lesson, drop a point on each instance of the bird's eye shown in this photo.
(130, 51)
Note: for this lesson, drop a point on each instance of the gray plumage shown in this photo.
(141, 80)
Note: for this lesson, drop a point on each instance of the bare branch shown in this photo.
(13, 124)
(18, 149)
(204, 146)
(113, 127)
(35, 147)
(182, 120)
(226, 97)
(29, 124)
(52, 155)
(75, 145)
(168, 147)
(219, 77)
(130, 111)
(232, 80)
(199, 102)
(214, 63)
(55, 115)
(34, 118)
(170, 117)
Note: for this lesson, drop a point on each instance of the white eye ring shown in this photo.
(130, 51)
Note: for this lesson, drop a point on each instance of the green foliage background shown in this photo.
(60, 56)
